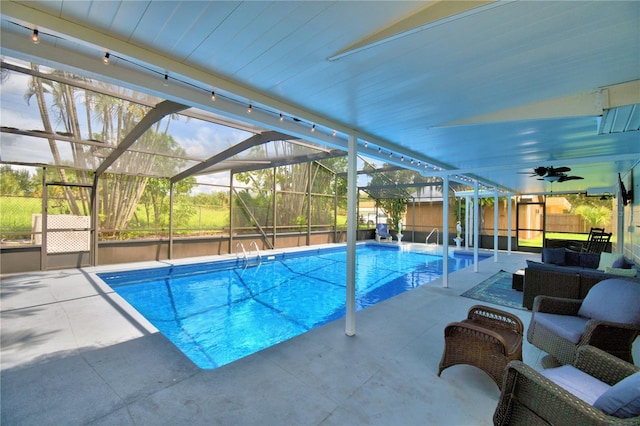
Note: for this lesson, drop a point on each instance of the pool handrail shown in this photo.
(437, 231)
(258, 255)
(244, 253)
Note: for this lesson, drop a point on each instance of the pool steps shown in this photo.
(245, 256)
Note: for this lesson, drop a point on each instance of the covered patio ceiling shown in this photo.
(481, 89)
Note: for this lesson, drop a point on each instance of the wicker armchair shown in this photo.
(603, 329)
(529, 398)
(488, 339)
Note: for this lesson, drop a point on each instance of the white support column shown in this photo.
(352, 229)
(445, 231)
(495, 226)
(509, 223)
(476, 239)
(620, 226)
(467, 221)
(171, 220)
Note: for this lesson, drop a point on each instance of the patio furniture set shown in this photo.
(589, 376)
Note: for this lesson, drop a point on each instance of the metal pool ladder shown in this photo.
(258, 255)
(437, 231)
(245, 256)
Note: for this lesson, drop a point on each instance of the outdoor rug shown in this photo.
(497, 290)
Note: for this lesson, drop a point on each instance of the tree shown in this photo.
(15, 182)
(594, 216)
(393, 201)
(106, 120)
(155, 198)
(292, 185)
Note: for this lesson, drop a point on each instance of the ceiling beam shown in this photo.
(434, 14)
(254, 140)
(293, 160)
(153, 116)
(579, 105)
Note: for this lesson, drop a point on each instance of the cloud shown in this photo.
(202, 139)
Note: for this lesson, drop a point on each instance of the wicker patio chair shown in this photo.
(529, 398)
(608, 318)
(488, 339)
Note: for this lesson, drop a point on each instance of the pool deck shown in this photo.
(73, 352)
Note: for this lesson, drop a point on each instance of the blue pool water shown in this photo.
(218, 312)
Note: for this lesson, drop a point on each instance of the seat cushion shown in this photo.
(623, 399)
(622, 263)
(621, 271)
(607, 260)
(577, 382)
(571, 258)
(566, 326)
(614, 300)
(554, 256)
(589, 260)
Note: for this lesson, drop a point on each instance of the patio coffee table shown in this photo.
(517, 282)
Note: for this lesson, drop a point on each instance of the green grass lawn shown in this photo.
(537, 242)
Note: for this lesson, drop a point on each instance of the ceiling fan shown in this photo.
(554, 174)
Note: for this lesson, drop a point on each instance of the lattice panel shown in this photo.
(65, 233)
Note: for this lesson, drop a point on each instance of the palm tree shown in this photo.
(121, 191)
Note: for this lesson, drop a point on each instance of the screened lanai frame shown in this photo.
(95, 156)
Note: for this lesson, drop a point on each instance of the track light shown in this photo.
(105, 60)
(281, 117)
(335, 132)
(35, 38)
(412, 161)
(165, 83)
(249, 109)
(313, 128)
(402, 158)
(213, 96)
(379, 150)
(390, 154)
(366, 144)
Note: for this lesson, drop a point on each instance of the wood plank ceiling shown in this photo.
(480, 88)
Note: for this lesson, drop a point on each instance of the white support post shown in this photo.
(620, 227)
(445, 231)
(171, 220)
(476, 239)
(352, 229)
(495, 226)
(467, 221)
(509, 223)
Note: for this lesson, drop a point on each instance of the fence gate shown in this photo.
(65, 226)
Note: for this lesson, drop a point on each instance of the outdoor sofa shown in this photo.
(571, 274)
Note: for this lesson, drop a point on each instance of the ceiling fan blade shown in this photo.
(540, 171)
(562, 169)
(566, 178)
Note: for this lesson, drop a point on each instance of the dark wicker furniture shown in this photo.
(488, 339)
(612, 337)
(528, 398)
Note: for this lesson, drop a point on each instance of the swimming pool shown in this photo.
(218, 312)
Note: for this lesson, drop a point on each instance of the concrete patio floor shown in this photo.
(73, 352)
